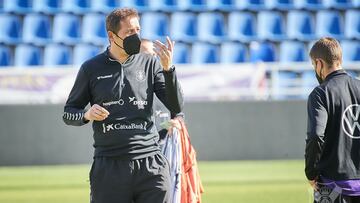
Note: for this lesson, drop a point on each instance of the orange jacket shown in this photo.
(191, 187)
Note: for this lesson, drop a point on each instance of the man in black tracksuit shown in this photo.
(332, 155)
(120, 84)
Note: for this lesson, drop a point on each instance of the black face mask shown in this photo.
(318, 77)
(131, 44)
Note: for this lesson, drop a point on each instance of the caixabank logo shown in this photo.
(350, 121)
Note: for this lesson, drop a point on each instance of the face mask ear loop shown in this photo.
(117, 43)
(321, 70)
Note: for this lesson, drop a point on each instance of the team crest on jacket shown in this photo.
(140, 75)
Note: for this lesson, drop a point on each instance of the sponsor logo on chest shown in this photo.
(139, 103)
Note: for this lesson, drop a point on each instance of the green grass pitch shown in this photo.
(224, 182)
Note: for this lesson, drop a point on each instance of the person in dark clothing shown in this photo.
(332, 154)
(120, 84)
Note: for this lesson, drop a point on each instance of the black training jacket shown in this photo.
(126, 91)
(333, 136)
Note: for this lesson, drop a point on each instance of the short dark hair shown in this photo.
(114, 18)
(327, 49)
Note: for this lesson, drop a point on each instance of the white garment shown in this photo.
(172, 151)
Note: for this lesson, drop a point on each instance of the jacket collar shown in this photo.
(111, 60)
(335, 73)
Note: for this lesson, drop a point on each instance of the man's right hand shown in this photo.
(96, 113)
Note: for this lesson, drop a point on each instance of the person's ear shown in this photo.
(111, 36)
(319, 63)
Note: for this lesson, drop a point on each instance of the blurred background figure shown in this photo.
(147, 47)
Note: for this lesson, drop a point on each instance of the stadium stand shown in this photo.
(200, 24)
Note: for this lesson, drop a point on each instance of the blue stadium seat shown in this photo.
(352, 24)
(28, 55)
(242, 26)
(140, 5)
(357, 3)
(183, 26)
(329, 23)
(76, 6)
(104, 6)
(6, 58)
(154, 26)
(232, 52)
(18, 6)
(57, 54)
(313, 5)
(10, 32)
(283, 84)
(181, 53)
(351, 50)
(94, 29)
(193, 5)
(204, 53)
(211, 27)
(37, 29)
(293, 51)
(300, 25)
(1, 6)
(254, 5)
(66, 29)
(339, 4)
(262, 52)
(47, 6)
(164, 5)
(83, 52)
(271, 26)
(222, 5)
(280, 4)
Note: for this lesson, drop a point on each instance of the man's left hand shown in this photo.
(165, 53)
